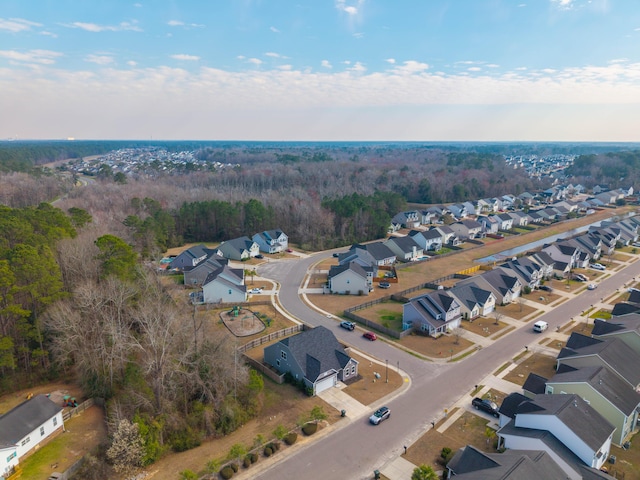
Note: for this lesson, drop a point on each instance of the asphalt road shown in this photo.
(356, 450)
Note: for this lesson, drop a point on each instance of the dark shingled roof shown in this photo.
(470, 463)
(317, 351)
(18, 422)
(624, 308)
(602, 327)
(510, 404)
(535, 384)
(606, 383)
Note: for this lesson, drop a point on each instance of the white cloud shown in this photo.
(563, 4)
(241, 57)
(16, 25)
(132, 63)
(94, 27)
(346, 62)
(358, 35)
(352, 7)
(48, 34)
(410, 67)
(255, 61)
(99, 59)
(492, 65)
(285, 67)
(474, 69)
(185, 57)
(358, 67)
(273, 54)
(43, 57)
(274, 29)
(179, 23)
(137, 5)
(392, 61)
(326, 64)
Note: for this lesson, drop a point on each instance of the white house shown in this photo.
(225, 285)
(271, 241)
(25, 427)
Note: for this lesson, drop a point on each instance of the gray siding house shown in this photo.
(315, 357)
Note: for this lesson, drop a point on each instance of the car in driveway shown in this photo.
(370, 336)
(255, 290)
(289, 250)
(546, 288)
(384, 285)
(598, 266)
(348, 325)
(592, 286)
(485, 405)
(336, 255)
(380, 415)
(580, 277)
(259, 256)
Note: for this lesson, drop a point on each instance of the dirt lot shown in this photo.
(537, 363)
(365, 390)
(444, 347)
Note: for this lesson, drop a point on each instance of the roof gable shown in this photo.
(25, 418)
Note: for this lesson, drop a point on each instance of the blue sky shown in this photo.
(424, 70)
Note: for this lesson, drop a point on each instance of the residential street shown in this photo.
(357, 449)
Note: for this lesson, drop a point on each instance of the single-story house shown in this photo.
(25, 427)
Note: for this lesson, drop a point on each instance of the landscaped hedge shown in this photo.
(246, 462)
(253, 457)
(267, 451)
(234, 467)
(226, 473)
(310, 428)
(290, 438)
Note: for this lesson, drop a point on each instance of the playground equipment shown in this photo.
(69, 401)
(235, 311)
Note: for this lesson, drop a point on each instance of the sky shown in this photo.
(332, 70)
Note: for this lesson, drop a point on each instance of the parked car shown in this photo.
(592, 286)
(260, 256)
(255, 290)
(598, 266)
(336, 255)
(546, 288)
(384, 285)
(348, 325)
(636, 244)
(379, 415)
(370, 336)
(631, 290)
(289, 250)
(580, 277)
(485, 405)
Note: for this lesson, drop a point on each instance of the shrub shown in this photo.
(267, 451)
(188, 475)
(310, 429)
(234, 467)
(275, 446)
(254, 457)
(291, 438)
(227, 472)
(246, 462)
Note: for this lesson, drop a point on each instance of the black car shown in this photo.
(384, 284)
(336, 255)
(545, 288)
(260, 256)
(485, 405)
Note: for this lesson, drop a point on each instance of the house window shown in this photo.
(25, 441)
(353, 369)
(12, 456)
(283, 354)
(42, 431)
(55, 421)
(549, 389)
(229, 291)
(278, 362)
(346, 372)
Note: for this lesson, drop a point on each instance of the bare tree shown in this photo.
(458, 333)
(497, 316)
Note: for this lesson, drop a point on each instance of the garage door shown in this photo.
(325, 384)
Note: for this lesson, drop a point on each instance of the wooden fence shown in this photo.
(265, 369)
(272, 336)
(78, 410)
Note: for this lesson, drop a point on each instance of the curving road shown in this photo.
(353, 452)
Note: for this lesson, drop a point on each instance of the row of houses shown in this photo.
(568, 423)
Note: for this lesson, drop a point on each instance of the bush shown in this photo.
(290, 438)
(267, 451)
(246, 462)
(234, 467)
(310, 429)
(226, 473)
(188, 475)
(254, 457)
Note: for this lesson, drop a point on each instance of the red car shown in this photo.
(370, 336)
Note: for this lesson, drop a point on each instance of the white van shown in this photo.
(540, 326)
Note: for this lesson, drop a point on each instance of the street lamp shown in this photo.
(386, 371)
